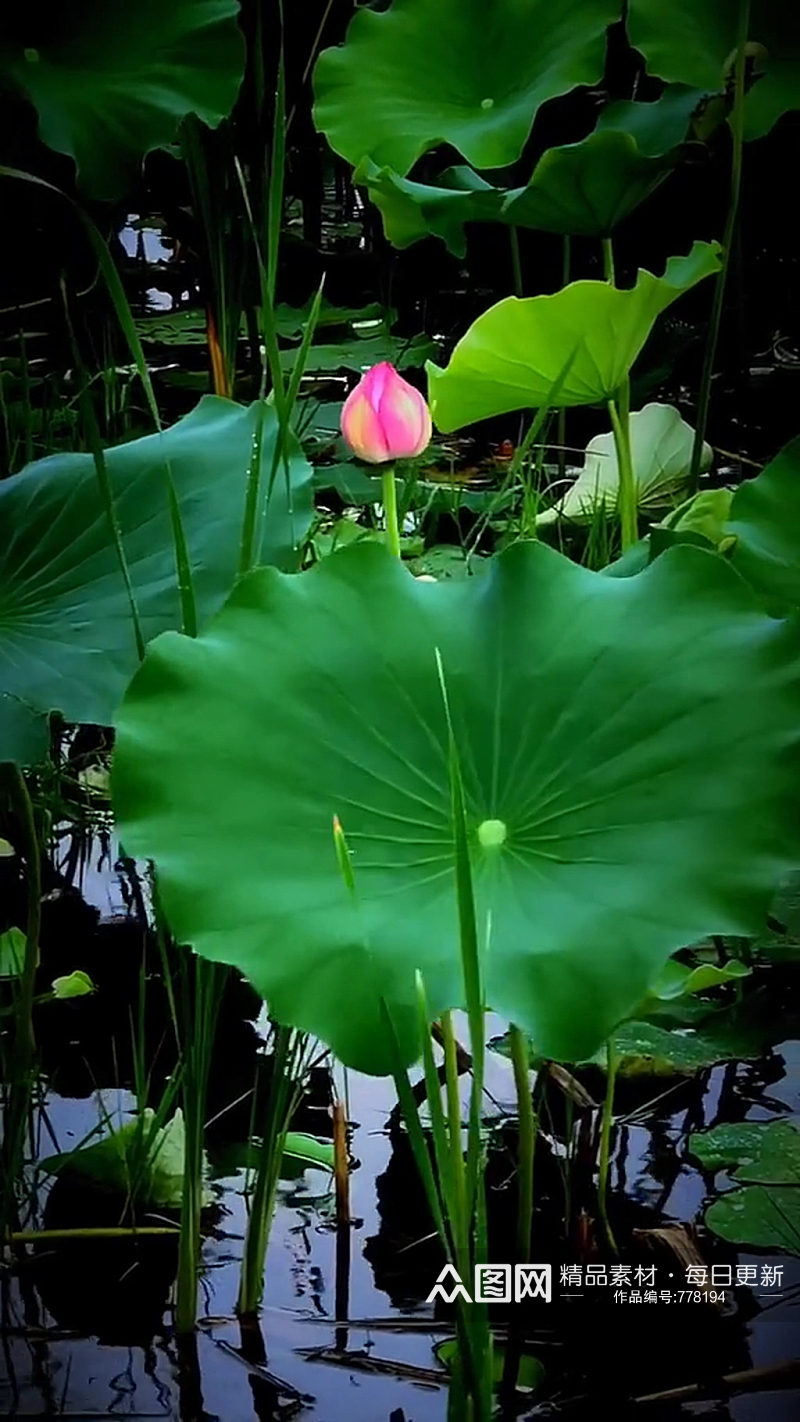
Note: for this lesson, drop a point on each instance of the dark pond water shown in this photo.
(87, 1328)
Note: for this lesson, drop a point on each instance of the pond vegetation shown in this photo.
(399, 709)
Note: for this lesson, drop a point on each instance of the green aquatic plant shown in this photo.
(763, 1160)
(112, 81)
(427, 72)
(591, 714)
(67, 643)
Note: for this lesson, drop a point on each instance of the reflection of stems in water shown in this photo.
(612, 1062)
(23, 1062)
(709, 355)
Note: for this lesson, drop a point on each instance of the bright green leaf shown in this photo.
(428, 72)
(765, 521)
(112, 80)
(67, 641)
(661, 449)
(512, 356)
(677, 979)
(307, 1149)
(77, 984)
(592, 716)
(531, 1372)
(696, 44)
(12, 952)
(136, 1156)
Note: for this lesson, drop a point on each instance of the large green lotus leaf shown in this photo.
(112, 80)
(696, 44)
(661, 449)
(764, 518)
(461, 72)
(514, 356)
(581, 188)
(632, 736)
(66, 634)
(587, 188)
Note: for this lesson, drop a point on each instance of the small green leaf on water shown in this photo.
(531, 1370)
(76, 984)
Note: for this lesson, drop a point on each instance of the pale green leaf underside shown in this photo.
(513, 356)
(661, 448)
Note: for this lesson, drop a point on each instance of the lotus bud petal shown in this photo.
(385, 418)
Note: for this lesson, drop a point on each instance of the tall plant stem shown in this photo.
(561, 428)
(612, 1062)
(202, 989)
(712, 340)
(619, 410)
(526, 1142)
(389, 488)
(620, 423)
(341, 1171)
(516, 264)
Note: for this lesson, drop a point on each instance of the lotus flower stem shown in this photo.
(709, 356)
(389, 487)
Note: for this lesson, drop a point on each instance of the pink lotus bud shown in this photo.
(385, 418)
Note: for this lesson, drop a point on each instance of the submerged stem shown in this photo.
(612, 1062)
(526, 1142)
